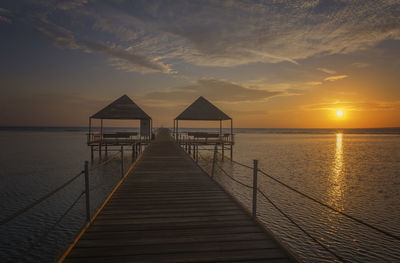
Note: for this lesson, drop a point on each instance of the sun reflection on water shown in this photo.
(337, 183)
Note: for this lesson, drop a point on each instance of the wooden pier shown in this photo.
(169, 210)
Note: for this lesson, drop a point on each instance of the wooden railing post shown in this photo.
(213, 163)
(122, 160)
(87, 191)
(255, 169)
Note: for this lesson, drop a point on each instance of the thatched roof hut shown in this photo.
(202, 110)
(122, 108)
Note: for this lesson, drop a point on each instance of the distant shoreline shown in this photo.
(387, 130)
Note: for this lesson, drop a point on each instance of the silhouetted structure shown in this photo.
(121, 109)
(203, 110)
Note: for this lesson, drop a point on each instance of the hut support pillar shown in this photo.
(177, 129)
(90, 128)
(91, 153)
(222, 150)
(231, 139)
(101, 139)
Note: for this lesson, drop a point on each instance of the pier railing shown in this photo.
(84, 192)
(256, 190)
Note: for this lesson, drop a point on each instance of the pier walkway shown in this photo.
(169, 210)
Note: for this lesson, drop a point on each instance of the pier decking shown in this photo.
(169, 210)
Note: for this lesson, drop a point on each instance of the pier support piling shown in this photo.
(122, 160)
(214, 159)
(255, 169)
(87, 191)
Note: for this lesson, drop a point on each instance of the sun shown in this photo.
(339, 113)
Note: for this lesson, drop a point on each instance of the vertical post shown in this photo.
(133, 153)
(173, 131)
(231, 139)
(177, 129)
(90, 128)
(136, 151)
(101, 138)
(151, 130)
(87, 193)
(91, 153)
(255, 169)
(220, 129)
(223, 150)
(197, 152)
(213, 163)
(122, 160)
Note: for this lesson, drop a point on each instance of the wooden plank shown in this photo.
(192, 256)
(172, 248)
(169, 210)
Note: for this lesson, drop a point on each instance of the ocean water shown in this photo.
(34, 162)
(354, 171)
(358, 174)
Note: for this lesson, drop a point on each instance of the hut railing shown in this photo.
(204, 137)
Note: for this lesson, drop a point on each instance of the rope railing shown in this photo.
(257, 190)
(50, 229)
(284, 214)
(114, 157)
(38, 201)
(319, 202)
(331, 208)
(233, 179)
(301, 228)
(85, 192)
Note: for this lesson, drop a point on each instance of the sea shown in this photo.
(325, 194)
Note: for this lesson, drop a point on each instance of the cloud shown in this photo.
(360, 64)
(356, 106)
(71, 4)
(334, 78)
(327, 71)
(314, 83)
(224, 33)
(121, 58)
(218, 90)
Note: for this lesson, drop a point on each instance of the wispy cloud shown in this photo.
(314, 83)
(361, 64)
(355, 105)
(219, 90)
(327, 71)
(223, 33)
(334, 78)
(125, 59)
(71, 4)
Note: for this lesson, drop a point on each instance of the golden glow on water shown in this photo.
(336, 192)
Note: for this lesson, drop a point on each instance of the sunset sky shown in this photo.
(265, 63)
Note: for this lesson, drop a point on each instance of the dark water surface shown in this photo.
(358, 174)
(355, 171)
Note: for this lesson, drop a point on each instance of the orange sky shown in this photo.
(267, 65)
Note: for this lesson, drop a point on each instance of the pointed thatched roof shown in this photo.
(123, 109)
(203, 110)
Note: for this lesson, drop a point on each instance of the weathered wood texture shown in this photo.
(169, 210)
